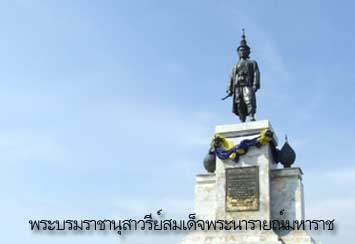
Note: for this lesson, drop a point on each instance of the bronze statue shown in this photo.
(243, 84)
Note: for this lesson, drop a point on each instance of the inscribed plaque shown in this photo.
(242, 189)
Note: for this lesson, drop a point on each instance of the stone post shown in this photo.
(288, 202)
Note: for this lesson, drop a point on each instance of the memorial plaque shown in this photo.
(242, 189)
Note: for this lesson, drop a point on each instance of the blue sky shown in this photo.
(107, 107)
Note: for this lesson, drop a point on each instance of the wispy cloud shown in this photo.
(137, 206)
(342, 176)
(333, 198)
(23, 145)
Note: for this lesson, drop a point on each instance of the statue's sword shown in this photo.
(229, 95)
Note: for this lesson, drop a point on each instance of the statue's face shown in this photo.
(243, 52)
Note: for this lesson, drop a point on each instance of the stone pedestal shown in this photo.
(252, 189)
(259, 158)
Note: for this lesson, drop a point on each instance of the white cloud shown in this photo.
(29, 144)
(333, 198)
(342, 176)
(138, 206)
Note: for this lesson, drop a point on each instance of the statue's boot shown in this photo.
(252, 117)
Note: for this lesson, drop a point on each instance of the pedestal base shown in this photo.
(241, 237)
(297, 237)
(230, 193)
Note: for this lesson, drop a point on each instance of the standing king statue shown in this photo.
(244, 82)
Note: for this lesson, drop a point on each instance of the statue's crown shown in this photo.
(243, 42)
